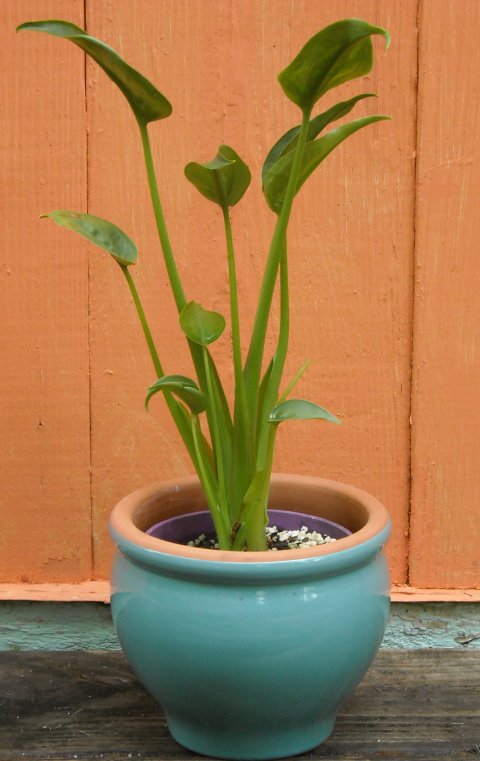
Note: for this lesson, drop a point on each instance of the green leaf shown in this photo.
(300, 409)
(223, 180)
(185, 388)
(336, 54)
(147, 103)
(199, 325)
(288, 141)
(315, 152)
(104, 234)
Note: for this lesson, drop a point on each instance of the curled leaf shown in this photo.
(336, 54)
(200, 325)
(223, 180)
(185, 388)
(104, 234)
(147, 103)
(314, 153)
(288, 141)
(300, 409)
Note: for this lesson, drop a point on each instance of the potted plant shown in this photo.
(249, 650)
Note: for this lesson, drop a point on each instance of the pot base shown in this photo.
(278, 741)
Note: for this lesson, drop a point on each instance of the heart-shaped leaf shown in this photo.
(147, 103)
(199, 325)
(104, 234)
(185, 388)
(300, 409)
(336, 54)
(288, 141)
(314, 153)
(223, 180)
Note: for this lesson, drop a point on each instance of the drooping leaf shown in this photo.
(300, 409)
(147, 103)
(336, 54)
(200, 325)
(223, 180)
(104, 234)
(288, 141)
(185, 388)
(315, 152)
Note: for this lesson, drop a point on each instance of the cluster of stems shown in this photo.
(235, 468)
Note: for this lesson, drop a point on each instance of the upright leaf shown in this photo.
(315, 152)
(104, 234)
(336, 54)
(223, 180)
(200, 325)
(300, 409)
(288, 141)
(185, 388)
(147, 103)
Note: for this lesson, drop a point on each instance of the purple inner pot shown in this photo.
(183, 528)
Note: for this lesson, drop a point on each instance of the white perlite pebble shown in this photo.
(278, 539)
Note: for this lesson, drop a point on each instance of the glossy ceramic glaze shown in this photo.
(250, 660)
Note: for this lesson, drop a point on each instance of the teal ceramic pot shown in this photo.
(251, 654)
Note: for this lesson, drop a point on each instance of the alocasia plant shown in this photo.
(234, 461)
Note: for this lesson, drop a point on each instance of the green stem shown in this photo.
(143, 321)
(234, 314)
(290, 386)
(178, 413)
(242, 462)
(172, 271)
(216, 438)
(255, 534)
(253, 364)
(271, 393)
(173, 275)
(221, 528)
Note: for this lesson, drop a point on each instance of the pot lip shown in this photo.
(123, 527)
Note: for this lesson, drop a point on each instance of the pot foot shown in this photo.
(265, 744)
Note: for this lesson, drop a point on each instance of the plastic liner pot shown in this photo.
(182, 528)
(251, 654)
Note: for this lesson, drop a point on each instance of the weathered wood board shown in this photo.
(44, 380)
(351, 242)
(385, 270)
(445, 525)
(420, 705)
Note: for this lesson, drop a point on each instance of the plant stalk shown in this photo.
(271, 393)
(253, 363)
(216, 439)
(221, 527)
(178, 413)
(172, 271)
(173, 276)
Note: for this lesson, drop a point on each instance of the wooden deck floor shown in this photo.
(421, 704)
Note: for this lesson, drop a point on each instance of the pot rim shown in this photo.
(127, 515)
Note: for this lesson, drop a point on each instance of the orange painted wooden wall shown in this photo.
(385, 269)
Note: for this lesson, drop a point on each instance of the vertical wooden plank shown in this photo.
(446, 412)
(44, 428)
(351, 240)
